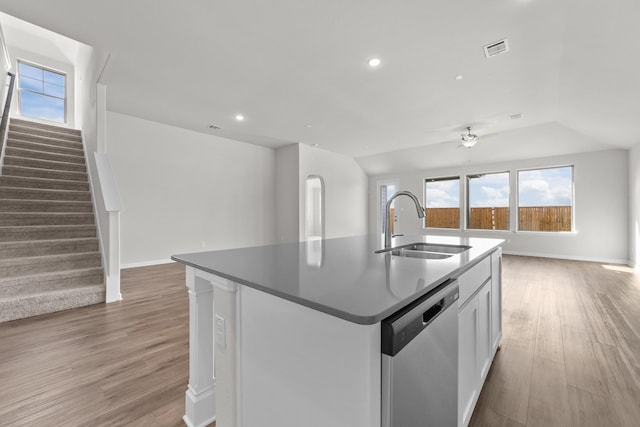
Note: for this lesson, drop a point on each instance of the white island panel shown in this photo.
(302, 367)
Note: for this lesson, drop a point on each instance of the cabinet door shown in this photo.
(467, 357)
(484, 332)
(496, 299)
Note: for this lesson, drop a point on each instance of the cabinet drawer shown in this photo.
(470, 281)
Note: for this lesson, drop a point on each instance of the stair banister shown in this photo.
(5, 115)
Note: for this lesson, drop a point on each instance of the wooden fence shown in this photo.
(544, 218)
(489, 218)
(442, 217)
(531, 218)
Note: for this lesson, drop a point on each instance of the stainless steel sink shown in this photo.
(407, 253)
(430, 247)
(426, 250)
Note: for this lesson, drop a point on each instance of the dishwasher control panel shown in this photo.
(407, 323)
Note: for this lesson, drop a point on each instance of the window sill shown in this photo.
(547, 233)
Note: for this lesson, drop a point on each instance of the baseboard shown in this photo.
(569, 257)
(146, 263)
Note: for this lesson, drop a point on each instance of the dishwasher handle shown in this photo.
(404, 325)
(432, 312)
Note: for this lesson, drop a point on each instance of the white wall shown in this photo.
(634, 205)
(601, 182)
(345, 192)
(345, 187)
(186, 191)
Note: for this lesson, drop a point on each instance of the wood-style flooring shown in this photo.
(119, 364)
(570, 353)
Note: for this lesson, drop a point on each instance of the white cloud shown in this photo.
(491, 190)
(494, 196)
(443, 194)
(545, 187)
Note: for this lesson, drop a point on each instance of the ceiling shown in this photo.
(297, 70)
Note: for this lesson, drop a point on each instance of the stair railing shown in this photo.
(5, 115)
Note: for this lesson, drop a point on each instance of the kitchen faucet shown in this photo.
(387, 224)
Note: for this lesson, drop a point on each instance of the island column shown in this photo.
(200, 401)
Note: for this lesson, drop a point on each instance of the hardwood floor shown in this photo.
(570, 353)
(117, 364)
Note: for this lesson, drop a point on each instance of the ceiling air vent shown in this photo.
(496, 48)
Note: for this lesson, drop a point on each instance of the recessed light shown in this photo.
(308, 126)
(374, 62)
(239, 117)
(315, 145)
(459, 77)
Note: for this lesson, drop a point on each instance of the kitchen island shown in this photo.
(296, 328)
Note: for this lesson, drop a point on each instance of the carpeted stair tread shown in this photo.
(46, 232)
(29, 172)
(44, 164)
(33, 283)
(45, 218)
(26, 205)
(41, 146)
(30, 248)
(43, 194)
(34, 126)
(47, 133)
(44, 155)
(25, 266)
(45, 183)
(61, 141)
(28, 305)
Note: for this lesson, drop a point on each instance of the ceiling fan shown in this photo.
(468, 139)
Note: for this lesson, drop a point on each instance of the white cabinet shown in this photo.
(484, 332)
(496, 299)
(467, 356)
(479, 330)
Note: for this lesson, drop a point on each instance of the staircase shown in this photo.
(49, 253)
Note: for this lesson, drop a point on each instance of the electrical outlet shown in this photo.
(220, 332)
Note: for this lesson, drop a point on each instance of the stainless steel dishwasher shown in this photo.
(420, 361)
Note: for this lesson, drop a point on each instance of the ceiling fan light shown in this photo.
(469, 142)
(469, 139)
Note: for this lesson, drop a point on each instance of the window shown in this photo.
(545, 199)
(488, 201)
(442, 202)
(41, 93)
(386, 189)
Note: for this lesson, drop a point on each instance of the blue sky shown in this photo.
(546, 187)
(491, 190)
(540, 187)
(39, 83)
(443, 194)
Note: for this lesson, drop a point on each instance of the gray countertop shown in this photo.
(342, 277)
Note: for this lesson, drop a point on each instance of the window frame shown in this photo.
(51, 70)
(468, 201)
(460, 201)
(573, 201)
